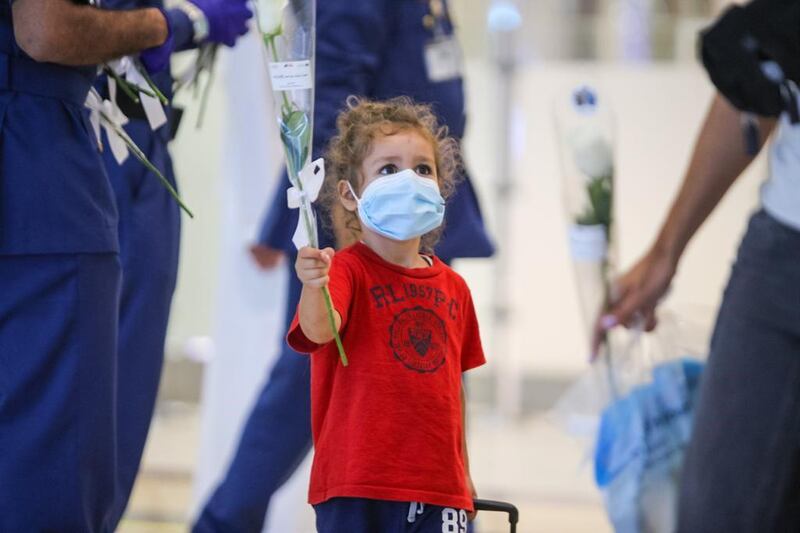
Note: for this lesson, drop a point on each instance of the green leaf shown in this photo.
(295, 130)
(599, 211)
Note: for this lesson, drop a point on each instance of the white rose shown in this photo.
(592, 152)
(270, 14)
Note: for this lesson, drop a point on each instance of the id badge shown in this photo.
(443, 59)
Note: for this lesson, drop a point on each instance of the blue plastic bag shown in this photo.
(640, 445)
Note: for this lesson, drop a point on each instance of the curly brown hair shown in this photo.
(358, 125)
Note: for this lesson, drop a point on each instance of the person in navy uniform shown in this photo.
(149, 231)
(59, 263)
(378, 49)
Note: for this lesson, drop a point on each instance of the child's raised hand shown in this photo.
(312, 266)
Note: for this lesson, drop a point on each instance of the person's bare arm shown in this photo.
(58, 31)
(718, 160)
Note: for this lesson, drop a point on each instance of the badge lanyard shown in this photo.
(435, 18)
(442, 53)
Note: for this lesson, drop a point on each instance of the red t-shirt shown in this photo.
(388, 426)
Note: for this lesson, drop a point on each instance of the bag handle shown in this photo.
(502, 507)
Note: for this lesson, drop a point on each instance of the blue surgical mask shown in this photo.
(401, 206)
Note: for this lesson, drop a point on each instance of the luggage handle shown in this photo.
(502, 507)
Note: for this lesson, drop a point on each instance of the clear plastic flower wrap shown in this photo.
(632, 408)
(288, 30)
(585, 133)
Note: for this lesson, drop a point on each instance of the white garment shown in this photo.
(780, 194)
(250, 303)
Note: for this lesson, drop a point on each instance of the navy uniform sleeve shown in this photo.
(182, 30)
(351, 37)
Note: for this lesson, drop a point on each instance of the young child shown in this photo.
(390, 453)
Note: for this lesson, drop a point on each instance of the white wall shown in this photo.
(659, 109)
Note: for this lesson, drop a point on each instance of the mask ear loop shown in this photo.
(353, 192)
(357, 199)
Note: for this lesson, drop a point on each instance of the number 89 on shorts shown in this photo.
(454, 520)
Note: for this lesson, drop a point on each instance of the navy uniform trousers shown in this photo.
(149, 239)
(373, 48)
(59, 297)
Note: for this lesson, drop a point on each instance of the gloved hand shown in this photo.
(227, 19)
(156, 59)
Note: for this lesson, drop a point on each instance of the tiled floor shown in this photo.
(529, 463)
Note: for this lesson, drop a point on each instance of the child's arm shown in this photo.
(470, 484)
(312, 267)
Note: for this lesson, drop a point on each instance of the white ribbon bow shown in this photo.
(311, 179)
(153, 110)
(107, 114)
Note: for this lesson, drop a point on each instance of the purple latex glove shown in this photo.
(156, 59)
(227, 19)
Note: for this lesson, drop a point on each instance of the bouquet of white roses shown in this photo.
(202, 68)
(128, 75)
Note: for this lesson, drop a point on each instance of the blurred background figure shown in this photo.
(751, 54)
(227, 320)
